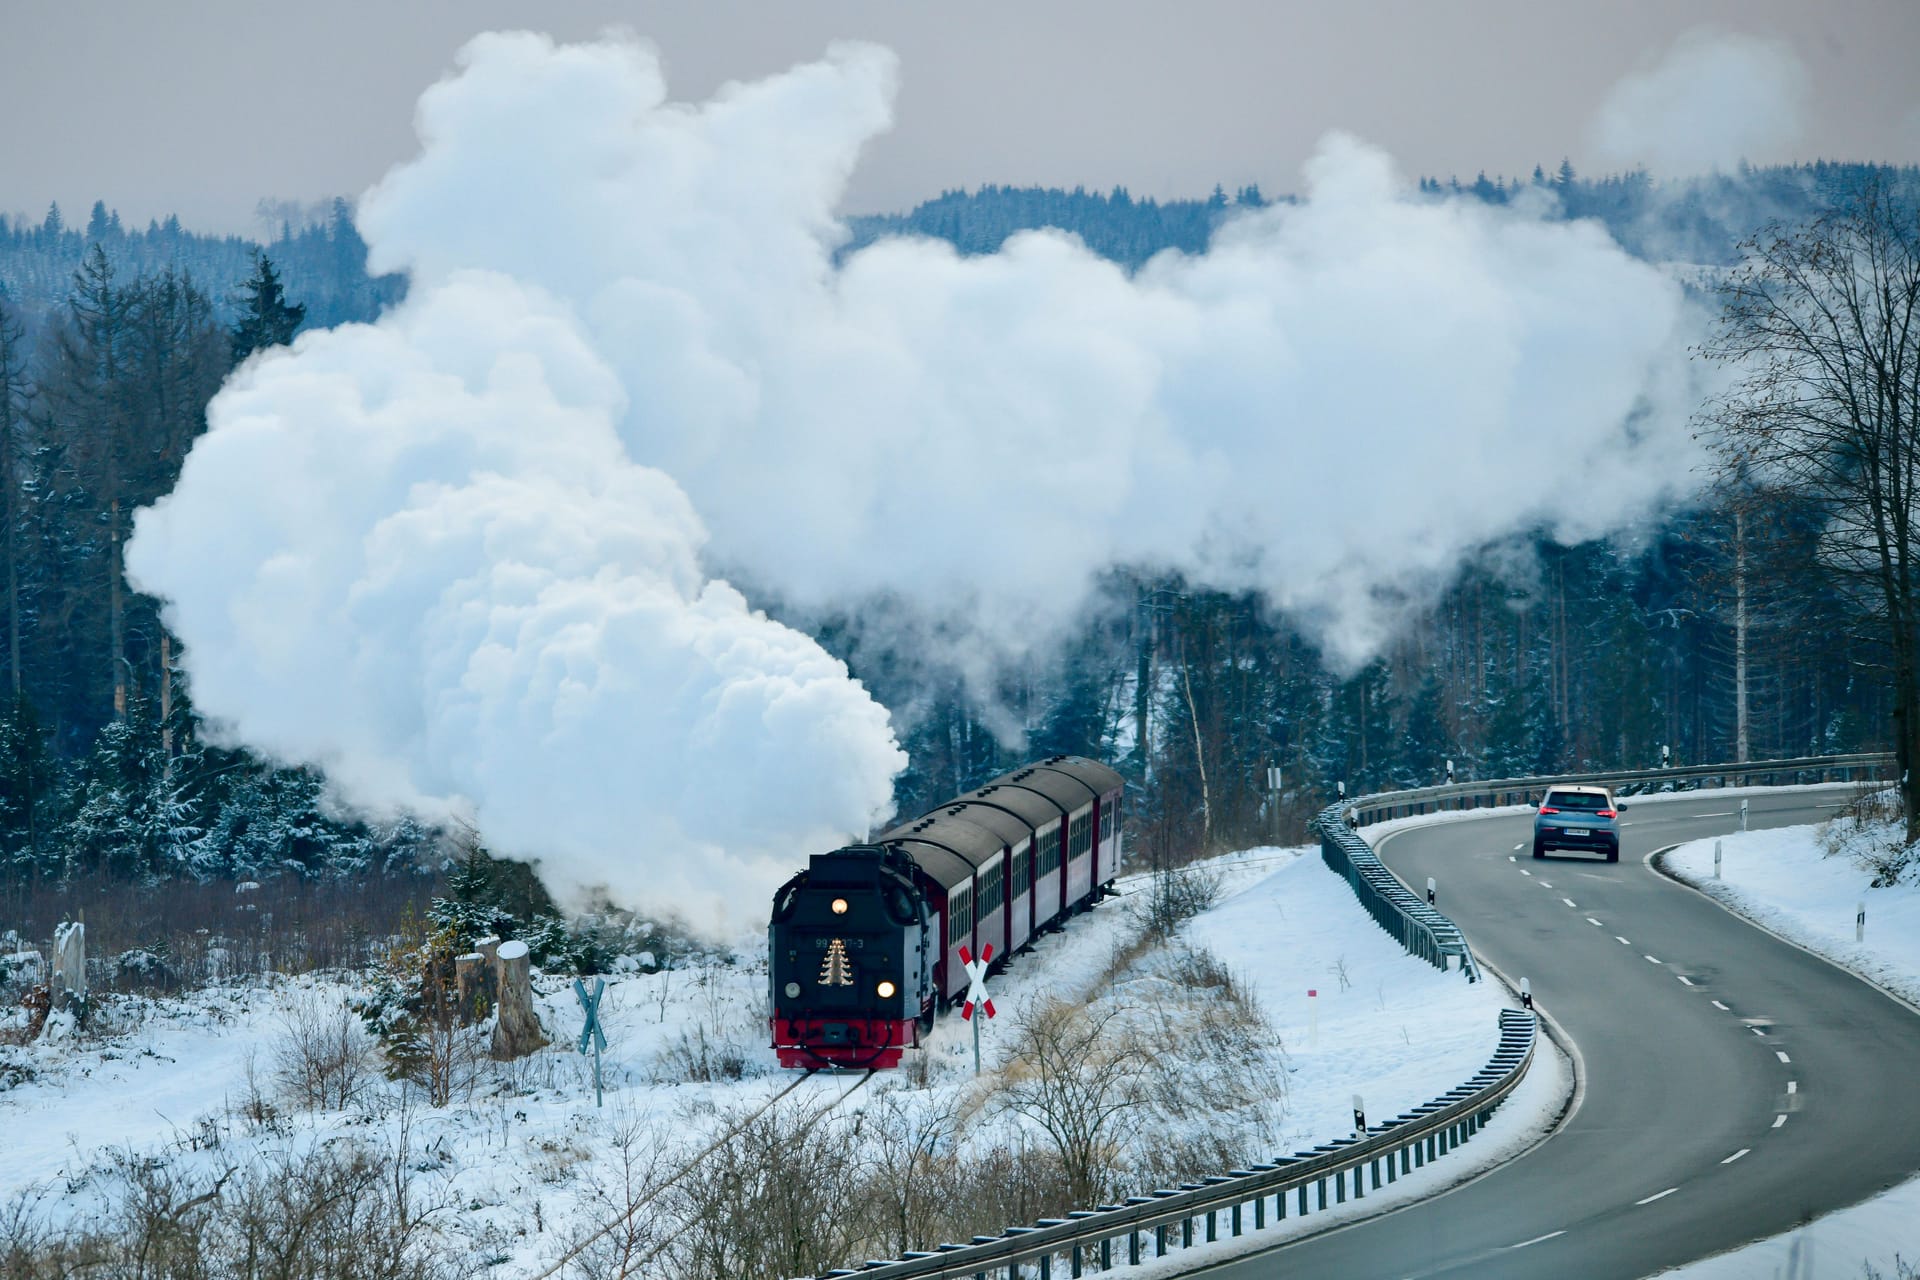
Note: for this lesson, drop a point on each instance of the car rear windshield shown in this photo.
(1576, 800)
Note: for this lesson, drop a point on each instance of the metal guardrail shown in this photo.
(1502, 791)
(1419, 928)
(1112, 1235)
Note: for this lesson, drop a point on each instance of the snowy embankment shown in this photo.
(522, 1161)
(1787, 882)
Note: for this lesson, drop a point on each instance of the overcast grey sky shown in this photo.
(205, 107)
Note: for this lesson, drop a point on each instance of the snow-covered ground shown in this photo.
(1786, 881)
(523, 1159)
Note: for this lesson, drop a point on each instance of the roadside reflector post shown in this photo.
(1860, 923)
(1359, 1117)
(1432, 890)
(1716, 859)
(1743, 815)
(1526, 993)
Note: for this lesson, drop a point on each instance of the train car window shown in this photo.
(959, 916)
(992, 890)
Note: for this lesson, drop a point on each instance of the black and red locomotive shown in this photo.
(864, 946)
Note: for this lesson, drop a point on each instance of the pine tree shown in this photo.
(266, 318)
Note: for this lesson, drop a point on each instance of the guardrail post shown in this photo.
(1340, 1187)
(1186, 1233)
(1236, 1219)
(1106, 1253)
(1133, 1248)
(1160, 1241)
(1374, 1166)
(1212, 1234)
(1046, 1266)
(1074, 1263)
(1323, 1193)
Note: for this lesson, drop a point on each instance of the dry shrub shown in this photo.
(1871, 834)
(337, 1211)
(323, 1055)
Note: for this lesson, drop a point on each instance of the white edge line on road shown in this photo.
(1778, 1121)
(1736, 1155)
(1660, 1195)
(1537, 1239)
(1722, 1008)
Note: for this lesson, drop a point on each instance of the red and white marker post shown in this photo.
(976, 994)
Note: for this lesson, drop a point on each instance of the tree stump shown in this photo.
(70, 966)
(517, 1032)
(479, 992)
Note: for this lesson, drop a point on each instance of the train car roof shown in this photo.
(1030, 807)
(1010, 827)
(969, 840)
(1069, 781)
(947, 869)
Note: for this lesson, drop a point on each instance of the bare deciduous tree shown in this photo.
(1075, 1081)
(1821, 331)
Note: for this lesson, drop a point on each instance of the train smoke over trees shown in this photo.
(465, 558)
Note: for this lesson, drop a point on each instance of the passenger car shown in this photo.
(1578, 818)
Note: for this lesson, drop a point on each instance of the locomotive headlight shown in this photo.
(793, 991)
(839, 906)
(886, 990)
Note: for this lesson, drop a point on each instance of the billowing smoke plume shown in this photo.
(457, 557)
(1710, 101)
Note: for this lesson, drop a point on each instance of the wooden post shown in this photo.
(517, 1032)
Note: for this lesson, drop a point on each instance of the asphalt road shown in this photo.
(1734, 1086)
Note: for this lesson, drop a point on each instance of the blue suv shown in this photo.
(1578, 818)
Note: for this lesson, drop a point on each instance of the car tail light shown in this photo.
(1609, 813)
(1545, 809)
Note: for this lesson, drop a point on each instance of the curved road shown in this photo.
(1735, 1086)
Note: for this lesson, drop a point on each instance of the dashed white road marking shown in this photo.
(1736, 1155)
(1779, 1120)
(1658, 1196)
(1545, 885)
(1622, 941)
(1722, 1008)
(1793, 1086)
(1525, 872)
(1569, 902)
(1595, 923)
(1517, 848)
(1653, 959)
(1781, 1054)
(1684, 978)
(1536, 1240)
(1759, 1031)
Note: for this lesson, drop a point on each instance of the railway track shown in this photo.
(731, 1133)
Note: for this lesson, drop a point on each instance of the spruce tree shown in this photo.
(266, 318)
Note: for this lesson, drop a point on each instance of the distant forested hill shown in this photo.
(1699, 219)
(322, 263)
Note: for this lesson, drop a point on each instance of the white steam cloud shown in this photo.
(1711, 100)
(459, 557)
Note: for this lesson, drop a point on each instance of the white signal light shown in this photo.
(793, 991)
(839, 906)
(886, 990)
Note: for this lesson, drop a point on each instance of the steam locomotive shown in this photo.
(864, 945)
